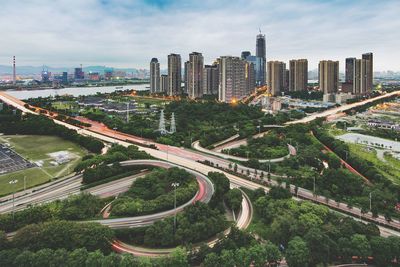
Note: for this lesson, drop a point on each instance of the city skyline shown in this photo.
(123, 34)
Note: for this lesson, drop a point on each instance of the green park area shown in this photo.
(269, 146)
(36, 148)
(386, 165)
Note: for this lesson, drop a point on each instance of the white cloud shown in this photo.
(126, 33)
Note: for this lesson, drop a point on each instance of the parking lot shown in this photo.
(10, 161)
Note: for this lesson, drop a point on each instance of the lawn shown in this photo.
(390, 169)
(37, 148)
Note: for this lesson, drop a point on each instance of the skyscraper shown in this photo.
(276, 71)
(261, 52)
(174, 74)
(232, 80)
(369, 72)
(154, 76)
(328, 76)
(195, 75)
(350, 62)
(298, 75)
(164, 83)
(210, 79)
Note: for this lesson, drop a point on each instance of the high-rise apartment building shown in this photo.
(261, 52)
(195, 75)
(276, 71)
(359, 74)
(210, 79)
(174, 74)
(164, 83)
(298, 75)
(328, 76)
(286, 85)
(369, 72)
(186, 77)
(154, 76)
(250, 77)
(349, 75)
(232, 79)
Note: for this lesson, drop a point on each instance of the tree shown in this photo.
(235, 167)
(25, 259)
(94, 259)
(3, 241)
(211, 260)
(360, 246)
(127, 260)
(234, 199)
(297, 253)
(178, 258)
(78, 257)
(227, 258)
(381, 250)
(318, 243)
(272, 253)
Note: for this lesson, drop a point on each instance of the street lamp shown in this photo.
(175, 185)
(13, 182)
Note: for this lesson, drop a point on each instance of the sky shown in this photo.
(128, 33)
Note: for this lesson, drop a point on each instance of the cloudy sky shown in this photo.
(128, 33)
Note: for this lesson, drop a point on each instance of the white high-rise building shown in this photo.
(154, 76)
(232, 79)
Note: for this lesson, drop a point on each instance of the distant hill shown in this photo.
(32, 70)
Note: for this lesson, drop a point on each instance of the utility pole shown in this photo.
(13, 182)
(175, 185)
(370, 201)
(314, 185)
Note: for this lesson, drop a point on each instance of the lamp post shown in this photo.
(24, 184)
(175, 185)
(13, 182)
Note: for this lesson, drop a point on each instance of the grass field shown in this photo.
(390, 168)
(37, 148)
(64, 105)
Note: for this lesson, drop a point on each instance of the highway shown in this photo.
(189, 159)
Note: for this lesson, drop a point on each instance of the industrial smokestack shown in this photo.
(14, 72)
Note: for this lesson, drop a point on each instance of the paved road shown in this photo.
(187, 158)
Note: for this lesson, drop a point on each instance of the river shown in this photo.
(75, 91)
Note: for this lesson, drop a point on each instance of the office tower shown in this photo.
(232, 80)
(276, 77)
(14, 72)
(210, 79)
(369, 72)
(164, 83)
(350, 70)
(328, 76)
(79, 74)
(298, 75)
(245, 54)
(174, 74)
(250, 77)
(186, 77)
(195, 72)
(261, 52)
(257, 63)
(154, 76)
